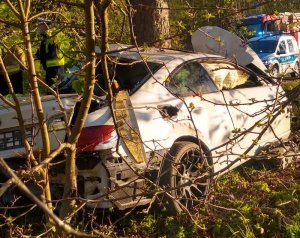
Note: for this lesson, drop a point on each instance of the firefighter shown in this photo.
(14, 70)
(50, 56)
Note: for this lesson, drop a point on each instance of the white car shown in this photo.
(279, 53)
(189, 116)
(185, 100)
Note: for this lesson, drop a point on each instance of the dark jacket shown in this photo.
(49, 53)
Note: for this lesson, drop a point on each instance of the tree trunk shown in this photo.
(70, 188)
(43, 173)
(151, 22)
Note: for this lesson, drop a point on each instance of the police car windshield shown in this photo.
(263, 46)
(253, 29)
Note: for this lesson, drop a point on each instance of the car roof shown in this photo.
(154, 54)
(275, 37)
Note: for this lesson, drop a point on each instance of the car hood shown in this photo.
(265, 56)
(215, 40)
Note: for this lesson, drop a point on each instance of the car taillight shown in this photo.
(90, 137)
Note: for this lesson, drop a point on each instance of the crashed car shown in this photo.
(181, 117)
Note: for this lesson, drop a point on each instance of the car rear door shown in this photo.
(178, 102)
(200, 103)
(255, 109)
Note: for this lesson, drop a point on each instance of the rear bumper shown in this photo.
(105, 181)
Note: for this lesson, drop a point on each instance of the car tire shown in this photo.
(275, 71)
(185, 175)
(296, 71)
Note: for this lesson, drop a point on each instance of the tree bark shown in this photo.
(43, 172)
(151, 22)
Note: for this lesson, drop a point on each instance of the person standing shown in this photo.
(50, 55)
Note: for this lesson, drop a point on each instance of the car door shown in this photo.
(293, 53)
(181, 101)
(252, 103)
(283, 56)
(200, 103)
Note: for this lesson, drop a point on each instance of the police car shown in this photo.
(279, 53)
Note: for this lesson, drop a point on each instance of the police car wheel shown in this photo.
(275, 71)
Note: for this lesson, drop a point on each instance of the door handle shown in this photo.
(234, 102)
(167, 111)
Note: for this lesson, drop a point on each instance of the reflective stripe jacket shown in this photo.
(49, 53)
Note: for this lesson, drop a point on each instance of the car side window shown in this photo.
(189, 79)
(227, 76)
(126, 74)
(290, 45)
(282, 48)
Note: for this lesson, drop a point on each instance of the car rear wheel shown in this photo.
(185, 175)
(275, 71)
